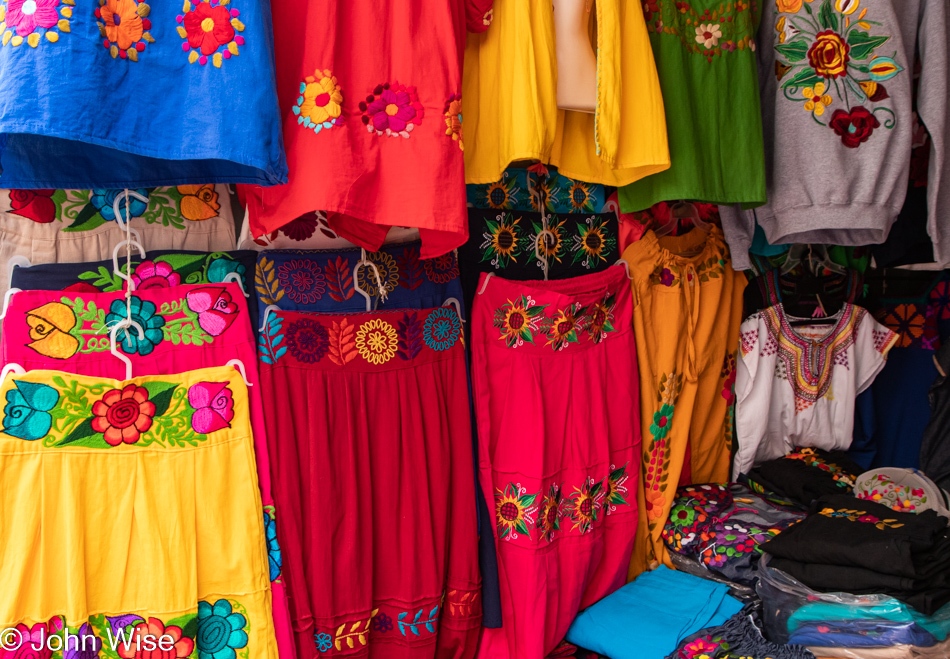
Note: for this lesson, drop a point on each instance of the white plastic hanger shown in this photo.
(14, 262)
(267, 310)
(6, 301)
(237, 279)
(543, 258)
(239, 365)
(137, 244)
(453, 302)
(11, 368)
(379, 281)
(626, 268)
(125, 324)
(485, 283)
(117, 204)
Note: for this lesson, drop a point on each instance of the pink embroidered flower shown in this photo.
(155, 275)
(701, 645)
(27, 15)
(392, 110)
(214, 407)
(215, 308)
(30, 639)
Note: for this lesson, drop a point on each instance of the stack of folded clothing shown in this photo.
(854, 546)
(805, 474)
(740, 636)
(889, 623)
(649, 617)
(723, 526)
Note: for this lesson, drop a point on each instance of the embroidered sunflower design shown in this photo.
(514, 508)
(580, 197)
(592, 242)
(376, 341)
(600, 318)
(615, 490)
(518, 321)
(564, 326)
(502, 195)
(550, 244)
(549, 517)
(585, 505)
(501, 241)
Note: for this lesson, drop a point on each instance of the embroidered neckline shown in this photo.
(670, 268)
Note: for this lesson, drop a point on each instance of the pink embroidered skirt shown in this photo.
(186, 328)
(370, 435)
(554, 370)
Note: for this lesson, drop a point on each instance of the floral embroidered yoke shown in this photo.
(208, 590)
(367, 417)
(560, 469)
(796, 386)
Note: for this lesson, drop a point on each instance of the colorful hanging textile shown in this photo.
(140, 501)
(186, 327)
(373, 130)
(561, 468)
(159, 269)
(158, 94)
(688, 306)
(511, 108)
(368, 424)
(521, 189)
(310, 231)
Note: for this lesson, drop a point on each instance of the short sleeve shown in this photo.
(871, 344)
(478, 15)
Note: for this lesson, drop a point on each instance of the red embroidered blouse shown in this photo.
(370, 95)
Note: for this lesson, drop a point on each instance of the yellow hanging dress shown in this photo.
(510, 106)
(688, 308)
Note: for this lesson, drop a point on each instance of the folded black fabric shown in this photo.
(844, 531)
(806, 474)
(926, 594)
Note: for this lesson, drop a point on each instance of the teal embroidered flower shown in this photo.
(442, 329)
(220, 631)
(221, 268)
(103, 200)
(661, 421)
(144, 314)
(273, 547)
(324, 641)
(26, 414)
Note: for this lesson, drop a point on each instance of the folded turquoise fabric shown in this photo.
(647, 618)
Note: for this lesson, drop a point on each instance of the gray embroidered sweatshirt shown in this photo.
(836, 78)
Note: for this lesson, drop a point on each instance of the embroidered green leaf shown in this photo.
(806, 76)
(827, 16)
(863, 44)
(163, 206)
(88, 218)
(160, 393)
(808, 9)
(80, 432)
(794, 51)
(187, 623)
(103, 279)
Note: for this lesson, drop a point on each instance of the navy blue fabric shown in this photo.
(861, 634)
(72, 116)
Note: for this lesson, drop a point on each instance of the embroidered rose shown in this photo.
(198, 202)
(149, 274)
(828, 55)
(392, 110)
(50, 327)
(320, 104)
(26, 646)
(208, 28)
(708, 34)
(26, 413)
(136, 647)
(214, 407)
(27, 15)
(215, 308)
(816, 99)
(122, 415)
(853, 127)
(35, 205)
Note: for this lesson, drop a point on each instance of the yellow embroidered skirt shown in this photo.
(132, 508)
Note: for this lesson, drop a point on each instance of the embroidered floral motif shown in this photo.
(124, 26)
(500, 195)
(198, 202)
(592, 241)
(514, 511)
(274, 558)
(882, 489)
(221, 630)
(20, 20)
(600, 318)
(149, 275)
(209, 29)
(519, 320)
(550, 243)
(501, 240)
(728, 376)
(323, 641)
(832, 49)
(308, 340)
(585, 505)
(581, 197)
(441, 269)
(914, 324)
(392, 110)
(136, 647)
(861, 516)
(442, 329)
(376, 341)
(50, 328)
(78, 413)
(563, 328)
(215, 308)
(104, 202)
(453, 119)
(388, 273)
(320, 104)
(382, 623)
(615, 492)
(707, 32)
(35, 205)
(302, 280)
(145, 314)
(550, 513)
(656, 454)
(809, 456)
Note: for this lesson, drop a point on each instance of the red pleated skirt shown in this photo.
(370, 436)
(554, 371)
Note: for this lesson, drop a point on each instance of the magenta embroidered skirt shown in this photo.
(554, 371)
(369, 433)
(186, 328)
